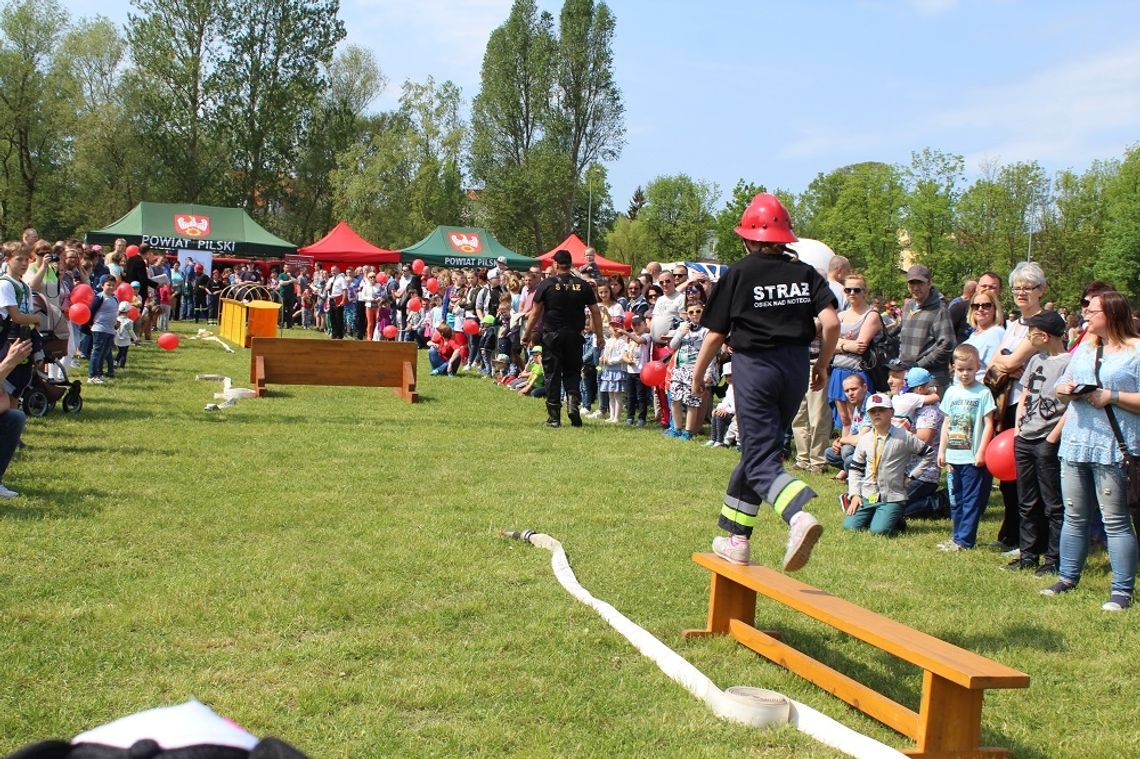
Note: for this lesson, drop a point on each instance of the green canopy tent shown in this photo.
(457, 247)
(192, 227)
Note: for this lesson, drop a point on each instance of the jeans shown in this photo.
(842, 459)
(589, 384)
(1039, 498)
(636, 398)
(438, 362)
(971, 487)
(11, 427)
(100, 354)
(922, 501)
(1082, 485)
(878, 518)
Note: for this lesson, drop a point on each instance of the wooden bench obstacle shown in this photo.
(355, 363)
(948, 723)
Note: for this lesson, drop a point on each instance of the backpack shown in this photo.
(96, 304)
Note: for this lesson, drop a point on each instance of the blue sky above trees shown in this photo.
(778, 92)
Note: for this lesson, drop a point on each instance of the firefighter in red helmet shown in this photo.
(769, 306)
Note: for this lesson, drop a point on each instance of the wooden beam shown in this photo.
(866, 700)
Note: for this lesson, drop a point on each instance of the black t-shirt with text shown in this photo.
(564, 300)
(764, 301)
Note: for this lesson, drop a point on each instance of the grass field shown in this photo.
(323, 565)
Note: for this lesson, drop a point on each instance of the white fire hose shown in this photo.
(747, 705)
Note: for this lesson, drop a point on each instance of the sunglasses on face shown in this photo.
(1085, 302)
(852, 290)
(981, 306)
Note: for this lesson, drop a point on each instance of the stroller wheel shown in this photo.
(35, 403)
(73, 401)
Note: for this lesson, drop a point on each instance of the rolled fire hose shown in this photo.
(743, 704)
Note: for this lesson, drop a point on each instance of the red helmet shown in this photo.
(766, 220)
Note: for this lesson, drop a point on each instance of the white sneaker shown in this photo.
(805, 531)
(94, 380)
(594, 414)
(738, 552)
(6, 493)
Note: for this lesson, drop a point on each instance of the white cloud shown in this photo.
(1063, 114)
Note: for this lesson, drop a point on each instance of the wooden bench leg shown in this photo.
(728, 600)
(950, 721)
(258, 377)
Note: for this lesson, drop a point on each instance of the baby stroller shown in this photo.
(45, 389)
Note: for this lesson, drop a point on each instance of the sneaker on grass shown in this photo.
(1048, 568)
(1117, 602)
(733, 548)
(1059, 587)
(803, 534)
(8, 493)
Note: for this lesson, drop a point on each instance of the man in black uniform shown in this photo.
(767, 305)
(560, 304)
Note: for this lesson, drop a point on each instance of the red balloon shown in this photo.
(383, 277)
(82, 294)
(471, 327)
(168, 341)
(415, 304)
(79, 313)
(133, 314)
(390, 332)
(432, 285)
(125, 292)
(999, 456)
(653, 374)
(629, 320)
(132, 251)
(418, 266)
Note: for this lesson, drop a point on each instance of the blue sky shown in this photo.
(778, 92)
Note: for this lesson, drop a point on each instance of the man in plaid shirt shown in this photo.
(927, 334)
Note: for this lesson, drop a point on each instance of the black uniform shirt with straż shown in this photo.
(564, 300)
(764, 301)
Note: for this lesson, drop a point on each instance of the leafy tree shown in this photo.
(594, 212)
(630, 242)
(547, 109)
(636, 203)
(354, 81)
(932, 183)
(174, 102)
(1119, 261)
(678, 215)
(857, 211)
(36, 111)
(405, 179)
(268, 83)
(1071, 226)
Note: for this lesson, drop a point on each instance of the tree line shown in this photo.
(259, 104)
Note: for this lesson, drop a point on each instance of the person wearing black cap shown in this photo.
(559, 308)
(926, 338)
(1040, 418)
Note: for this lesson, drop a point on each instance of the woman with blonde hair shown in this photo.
(858, 326)
(986, 317)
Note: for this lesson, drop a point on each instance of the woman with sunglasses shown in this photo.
(858, 325)
(986, 317)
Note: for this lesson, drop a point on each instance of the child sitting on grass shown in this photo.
(880, 468)
(969, 408)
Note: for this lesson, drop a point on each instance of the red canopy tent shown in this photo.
(577, 248)
(343, 247)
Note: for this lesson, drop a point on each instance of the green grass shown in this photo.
(323, 565)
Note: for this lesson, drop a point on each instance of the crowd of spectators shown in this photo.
(1035, 367)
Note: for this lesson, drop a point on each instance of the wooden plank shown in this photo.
(948, 661)
(257, 375)
(863, 698)
(950, 716)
